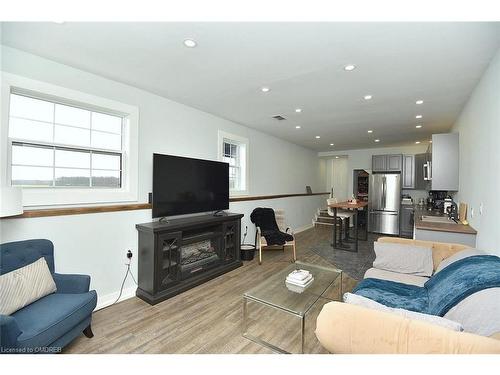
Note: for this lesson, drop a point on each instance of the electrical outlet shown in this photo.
(481, 208)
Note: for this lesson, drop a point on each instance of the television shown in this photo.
(185, 185)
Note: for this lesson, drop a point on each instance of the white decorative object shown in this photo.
(11, 201)
(298, 280)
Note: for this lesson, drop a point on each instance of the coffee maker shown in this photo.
(435, 200)
(452, 211)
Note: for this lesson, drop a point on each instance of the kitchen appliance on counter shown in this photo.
(448, 202)
(406, 200)
(451, 208)
(384, 203)
(435, 200)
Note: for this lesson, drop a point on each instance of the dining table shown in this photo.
(348, 205)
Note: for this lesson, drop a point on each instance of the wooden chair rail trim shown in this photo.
(81, 210)
(263, 197)
(132, 207)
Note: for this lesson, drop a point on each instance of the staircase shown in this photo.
(322, 218)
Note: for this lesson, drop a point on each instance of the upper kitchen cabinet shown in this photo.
(379, 163)
(387, 163)
(408, 175)
(421, 182)
(442, 171)
(394, 163)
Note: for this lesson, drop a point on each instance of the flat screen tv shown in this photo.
(184, 185)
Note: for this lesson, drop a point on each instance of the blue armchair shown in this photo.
(52, 322)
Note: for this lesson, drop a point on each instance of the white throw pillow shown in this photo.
(457, 256)
(355, 299)
(409, 259)
(25, 285)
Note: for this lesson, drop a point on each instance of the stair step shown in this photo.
(325, 219)
(322, 223)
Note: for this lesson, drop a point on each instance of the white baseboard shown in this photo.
(303, 228)
(108, 299)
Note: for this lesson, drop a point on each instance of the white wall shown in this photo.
(479, 128)
(362, 159)
(96, 243)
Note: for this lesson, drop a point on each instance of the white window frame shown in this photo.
(233, 138)
(41, 196)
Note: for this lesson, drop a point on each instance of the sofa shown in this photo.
(50, 323)
(350, 328)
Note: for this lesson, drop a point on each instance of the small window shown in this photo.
(59, 145)
(234, 151)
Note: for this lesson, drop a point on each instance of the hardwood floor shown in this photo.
(207, 318)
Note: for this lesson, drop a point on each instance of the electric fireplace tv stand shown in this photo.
(180, 254)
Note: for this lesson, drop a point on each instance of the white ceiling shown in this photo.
(302, 63)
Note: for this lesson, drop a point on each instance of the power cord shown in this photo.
(128, 272)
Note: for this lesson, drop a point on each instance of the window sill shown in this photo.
(238, 193)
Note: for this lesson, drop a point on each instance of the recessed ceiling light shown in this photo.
(298, 110)
(377, 140)
(419, 116)
(331, 144)
(318, 137)
(190, 43)
(418, 126)
(265, 89)
(367, 97)
(297, 127)
(430, 141)
(59, 22)
(370, 131)
(336, 157)
(420, 101)
(417, 142)
(349, 67)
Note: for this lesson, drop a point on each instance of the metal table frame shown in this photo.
(356, 236)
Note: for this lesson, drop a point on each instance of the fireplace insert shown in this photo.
(199, 256)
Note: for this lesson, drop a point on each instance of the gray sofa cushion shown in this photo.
(478, 313)
(408, 259)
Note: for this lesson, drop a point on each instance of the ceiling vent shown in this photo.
(279, 118)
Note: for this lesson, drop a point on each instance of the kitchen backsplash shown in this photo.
(416, 194)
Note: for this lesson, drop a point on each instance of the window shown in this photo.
(57, 145)
(66, 147)
(234, 151)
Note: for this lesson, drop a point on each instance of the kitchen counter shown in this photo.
(442, 232)
(441, 227)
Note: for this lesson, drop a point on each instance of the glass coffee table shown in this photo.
(275, 294)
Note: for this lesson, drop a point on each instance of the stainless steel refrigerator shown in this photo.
(384, 203)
